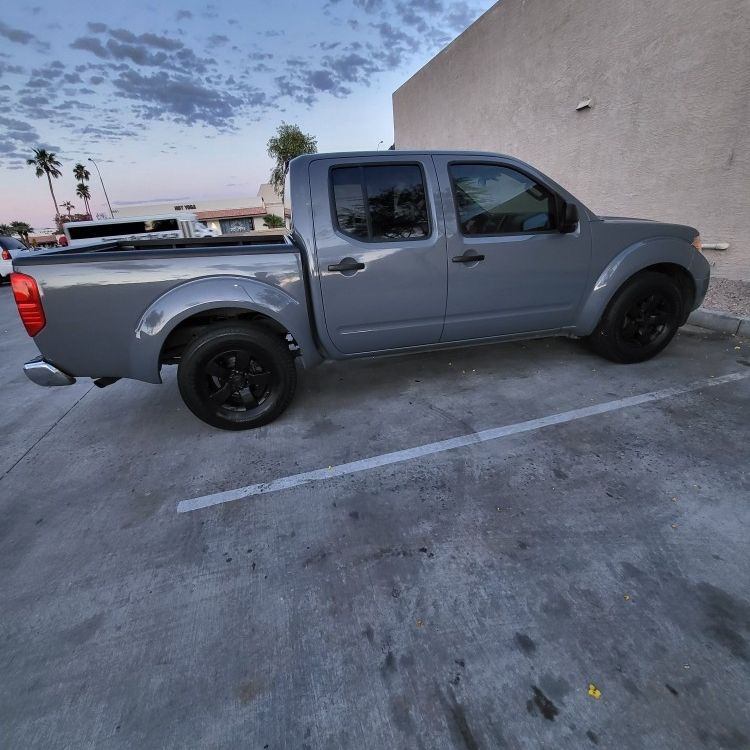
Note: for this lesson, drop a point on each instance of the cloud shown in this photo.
(17, 136)
(7, 68)
(370, 6)
(461, 15)
(90, 44)
(183, 14)
(217, 40)
(96, 27)
(15, 35)
(180, 97)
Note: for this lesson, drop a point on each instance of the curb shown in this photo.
(724, 322)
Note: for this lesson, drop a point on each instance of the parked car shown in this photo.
(393, 251)
(9, 246)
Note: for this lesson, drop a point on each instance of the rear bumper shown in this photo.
(41, 372)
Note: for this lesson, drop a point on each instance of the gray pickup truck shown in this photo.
(389, 252)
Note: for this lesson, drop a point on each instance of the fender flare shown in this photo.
(199, 295)
(637, 257)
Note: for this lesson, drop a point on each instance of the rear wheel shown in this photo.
(237, 376)
(641, 319)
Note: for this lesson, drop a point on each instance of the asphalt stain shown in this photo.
(523, 545)
(319, 558)
(85, 630)
(539, 701)
(593, 736)
(247, 692)
(559, 473)
(369, 633)
(726, 616)
(525, 643)
(389, 665)
(354, 515)
(671, 689)
(728, 739)
(743, 362)
(457, 720)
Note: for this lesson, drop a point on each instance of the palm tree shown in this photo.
(45, 163)
(81, 173)
(82, 191)
(288, 142)
(68, 206)
(22, 229)
(6, 230)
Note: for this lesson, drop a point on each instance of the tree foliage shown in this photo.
(45, 163)
(22, 229)
(81, 173)
(82, 191)
(273, 221)
(288, 143)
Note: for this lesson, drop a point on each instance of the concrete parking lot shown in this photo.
(575, 584)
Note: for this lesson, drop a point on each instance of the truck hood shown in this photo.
(681, 230)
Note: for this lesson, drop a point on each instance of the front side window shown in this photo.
(491, 199)
(380, 203)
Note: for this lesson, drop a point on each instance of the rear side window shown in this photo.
(491, 199)
(11, 243)
(380, 203)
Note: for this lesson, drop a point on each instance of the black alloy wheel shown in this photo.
(237, 376)
(647, 319)
(641, 319)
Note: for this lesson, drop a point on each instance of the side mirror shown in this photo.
(569, 219)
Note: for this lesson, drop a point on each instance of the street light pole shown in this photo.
(111, 212)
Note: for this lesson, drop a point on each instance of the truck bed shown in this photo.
(107, 306)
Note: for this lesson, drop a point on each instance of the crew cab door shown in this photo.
(380, 252)
(510, 269)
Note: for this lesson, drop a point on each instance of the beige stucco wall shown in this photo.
(668, 136)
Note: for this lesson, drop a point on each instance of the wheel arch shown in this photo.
(179, 315)
(670, 257)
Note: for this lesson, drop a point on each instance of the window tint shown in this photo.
(11, 243)
(349, 200)
(381, 202)
(492, 199)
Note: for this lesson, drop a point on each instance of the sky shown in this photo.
(176, 100)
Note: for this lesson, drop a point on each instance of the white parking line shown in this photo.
(385, 459)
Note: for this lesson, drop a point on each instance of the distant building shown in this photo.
(226, 216)
(43, 239)
(639, 108)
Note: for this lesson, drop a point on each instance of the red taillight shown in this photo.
(6, 255)
(29, 302)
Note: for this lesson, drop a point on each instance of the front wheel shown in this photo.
(641, 319)
(237, 376)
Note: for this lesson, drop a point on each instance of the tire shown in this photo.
(237, 376)
(641, 319)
